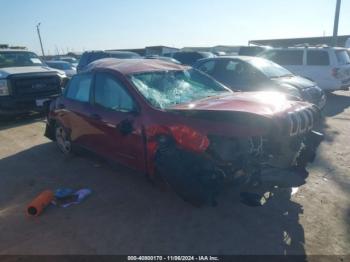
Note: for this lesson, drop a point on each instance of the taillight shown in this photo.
(335, 72)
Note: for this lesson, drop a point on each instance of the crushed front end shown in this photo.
(197, 165)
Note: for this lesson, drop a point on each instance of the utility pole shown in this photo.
(41, 44)
(336, 22)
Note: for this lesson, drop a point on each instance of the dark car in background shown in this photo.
(243, 73)
(90, 56)
(190, 58)
(26, 82)
(177, 124)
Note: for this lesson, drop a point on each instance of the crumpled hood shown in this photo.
(6, 71)
(296, 81)
(265, 104)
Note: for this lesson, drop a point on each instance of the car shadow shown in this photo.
(19, 120)
(127, 215)
(336, 104)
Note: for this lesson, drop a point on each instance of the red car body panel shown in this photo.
(137, 149)
(248, 102)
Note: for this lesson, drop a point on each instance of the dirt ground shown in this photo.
(128, 215)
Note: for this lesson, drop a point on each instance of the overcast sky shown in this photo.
(103, 24)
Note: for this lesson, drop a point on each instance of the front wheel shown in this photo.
(63, 140)
(193, 178)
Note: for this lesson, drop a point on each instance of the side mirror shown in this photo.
(125, 127)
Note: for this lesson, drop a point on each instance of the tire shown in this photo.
(63, 140)
(193, 178)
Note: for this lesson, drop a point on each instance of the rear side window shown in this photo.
(110, 93)
(79, 88)
(232, 66)
(317, 58)
(207, 67)
(342, 57)
(285, 57)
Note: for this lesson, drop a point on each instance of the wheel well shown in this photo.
(50, 129)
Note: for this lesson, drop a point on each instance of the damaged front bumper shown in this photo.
(200, 178)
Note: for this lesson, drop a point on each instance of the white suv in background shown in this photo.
(329, 67)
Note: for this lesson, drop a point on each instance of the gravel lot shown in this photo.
(127, 215)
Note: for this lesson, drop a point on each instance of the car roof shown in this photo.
(132, 66)
(15, 50)
(308, 47)
(110, 52)
(57, 62)
(239, 57)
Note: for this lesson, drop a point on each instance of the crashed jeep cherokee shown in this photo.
(175, 123)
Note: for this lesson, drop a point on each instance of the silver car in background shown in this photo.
(68, 68)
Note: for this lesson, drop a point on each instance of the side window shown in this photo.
(233, 73)
(79, 88)
(286, 57)
(317, 57)
(110, 93)
(232, 66)
(207, 67)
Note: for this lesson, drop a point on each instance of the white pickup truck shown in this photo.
(26, 82)
(329, 67)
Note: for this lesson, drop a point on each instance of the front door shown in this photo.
(120, 128)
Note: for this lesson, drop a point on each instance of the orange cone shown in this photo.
(36, 207)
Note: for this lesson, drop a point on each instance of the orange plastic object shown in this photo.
(36, 207)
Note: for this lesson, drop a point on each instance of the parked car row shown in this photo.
(303, 72)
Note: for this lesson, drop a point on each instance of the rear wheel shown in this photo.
(63, 140)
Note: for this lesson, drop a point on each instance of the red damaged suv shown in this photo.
(175, 123)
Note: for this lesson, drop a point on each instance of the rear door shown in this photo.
(318, 68)
(343, 63)
(74, 110)
(116, 116)
(292, 59)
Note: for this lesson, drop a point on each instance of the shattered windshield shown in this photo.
(17, 59)
(167, 88)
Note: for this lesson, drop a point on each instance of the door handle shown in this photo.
(95, 116)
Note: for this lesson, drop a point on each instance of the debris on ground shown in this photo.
(37, 206)
(66, 196)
